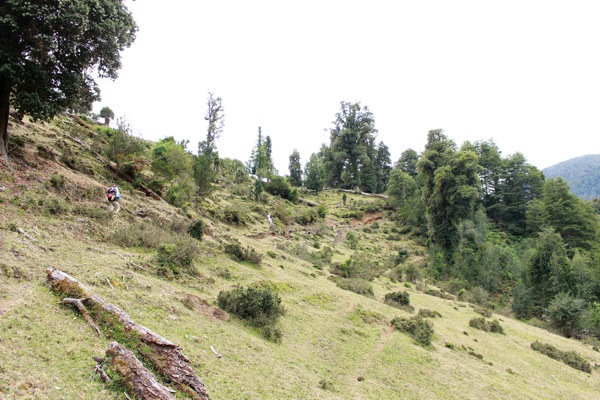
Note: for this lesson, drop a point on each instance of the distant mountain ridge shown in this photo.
(581, 173)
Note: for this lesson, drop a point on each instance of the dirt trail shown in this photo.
(367, 219)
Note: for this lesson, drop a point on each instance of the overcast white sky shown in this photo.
(524, 73)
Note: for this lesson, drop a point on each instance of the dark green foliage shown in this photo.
(486, 312)
(204, 174)
(427, 313)
(278, 186)
(51, 50)
(356, 285)
(565, 312)
(417, 327)
(315, 173)
(571, 358)
(396, 299)
(175, 257)
(241, 253)
(261, 162)
(261, 306)
(486, 326)
(359, 265)
(57, 181)
(308, 216)
(295, 168)
(235, 214)
(196, 229)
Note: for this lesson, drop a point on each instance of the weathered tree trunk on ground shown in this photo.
(307, 202)
(134, 376)
(381, 196)
(166, 357)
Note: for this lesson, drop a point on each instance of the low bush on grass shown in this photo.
(260, 306)
(486, 312)
(356, 285)
(173, 258)
(235, 214)
(279, 186)
(486, 326)
(240, 253)
(397, 299)
(359, 265)
(571, 358)
(307, 216)
(417, 327)
(427, 313)
(196, 229)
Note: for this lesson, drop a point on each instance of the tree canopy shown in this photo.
(51, 52)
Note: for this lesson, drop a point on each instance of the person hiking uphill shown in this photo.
(113, 195)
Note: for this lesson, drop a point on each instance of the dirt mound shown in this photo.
(199, 304)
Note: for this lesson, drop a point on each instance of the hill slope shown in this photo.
(581, 173)
(336, 344)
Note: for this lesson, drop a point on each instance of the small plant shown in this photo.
(240, 253)
(352, 240)
(356, 285)
(486, 312)
(57, 181)
(258, 305)
(396, 299)
(196, 229)
(175, 257)
(571, 358)
(418, 328)
(481, 324)
(427, 313)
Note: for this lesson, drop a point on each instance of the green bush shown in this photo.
(279, 186)
(308, 216)
(260, 306)
(486, 312)
(570, 358)
(486, 326)
(57, 181)
(359, 265)
(352, 240)
(396, 299)
(196, 229)
(55, 206)
(565, 312)
(235, 214)
(427, 313)
(356, 285)
(175, 257)
(418, 328)
(240, 253)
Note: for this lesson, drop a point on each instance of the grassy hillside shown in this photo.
(335, 344)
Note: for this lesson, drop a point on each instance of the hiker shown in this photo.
(112, 196)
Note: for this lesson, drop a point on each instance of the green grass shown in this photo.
(331, 337)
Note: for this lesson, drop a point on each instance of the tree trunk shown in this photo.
(134, 376)
(4, 112)
(166, 357)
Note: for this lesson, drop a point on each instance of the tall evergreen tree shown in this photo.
(351, 140)
(295, 168)
(408, 162)
(260, 162)
(315, 173)
(450, 190)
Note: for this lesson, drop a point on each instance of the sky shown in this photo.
(525, 73)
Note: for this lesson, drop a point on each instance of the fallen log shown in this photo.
(308, 203)
(134, 376)
(166, 357)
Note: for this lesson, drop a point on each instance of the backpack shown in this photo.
(113, 193)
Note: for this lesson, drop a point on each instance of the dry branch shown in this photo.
(84, 312)
(216, 352)
(309, 203)
(135, 376)
(165, 356)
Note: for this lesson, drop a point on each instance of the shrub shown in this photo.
(570, 358)
(240, 253)
(418, 328)
(486, 312)
(356, 285)
(321, 211)
(481, 324)
(260, 306)
(57, 181)
(174, 257)
(352, 240)
(565, 312)
(427, 313)
(308, 216)
(235, 214)
(55, 206)
(279, 186)
(196, 229)
(401, 256)
(360, 265)
(396, 299)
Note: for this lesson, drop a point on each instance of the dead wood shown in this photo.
(165, 356)
(134, 376)
(216, 352)
(84, 312)
(308, 203)
(129, 178)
